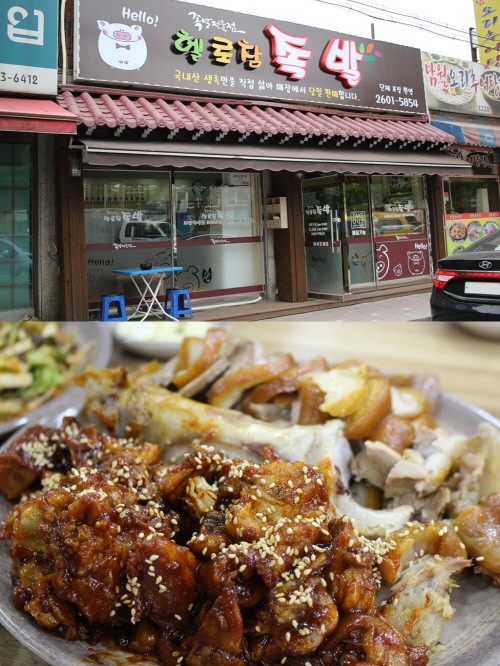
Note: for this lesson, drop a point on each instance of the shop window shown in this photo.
(16, 261)
(398, 205)
(218, 232)
(472, 211)
(127, 223)
(373, 226)
(470, 195)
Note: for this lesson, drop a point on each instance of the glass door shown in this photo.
(322, 203)
(359, 232)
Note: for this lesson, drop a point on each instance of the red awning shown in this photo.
(139, 115)
(20, 114)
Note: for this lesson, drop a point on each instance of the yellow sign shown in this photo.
(487, 13)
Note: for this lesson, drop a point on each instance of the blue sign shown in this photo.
(29, 46)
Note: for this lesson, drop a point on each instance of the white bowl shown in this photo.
(159, 340)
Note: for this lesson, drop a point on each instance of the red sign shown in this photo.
(402, 256)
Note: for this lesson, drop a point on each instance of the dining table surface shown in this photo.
(467, 365)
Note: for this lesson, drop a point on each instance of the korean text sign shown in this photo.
(461, 86)
(487, 15)
(28, 46)
(171, 45)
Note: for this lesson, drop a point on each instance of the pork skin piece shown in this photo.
(479, 528)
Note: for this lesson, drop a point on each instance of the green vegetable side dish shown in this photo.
(36, 360)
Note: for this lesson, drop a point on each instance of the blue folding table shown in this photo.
(144, 281)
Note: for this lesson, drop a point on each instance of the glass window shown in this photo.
(15, 227)
(218, 232)
(472, 211)
(216, 205)
(127, 224)
(375, 226)
(398, 205)
(470, 195)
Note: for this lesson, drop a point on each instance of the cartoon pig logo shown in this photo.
(416, 262)
(383, 262)
(122, 46)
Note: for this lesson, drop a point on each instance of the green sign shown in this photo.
(28, 46)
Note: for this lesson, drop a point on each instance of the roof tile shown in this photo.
(114, 109)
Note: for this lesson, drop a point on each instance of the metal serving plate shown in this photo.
(471, 638)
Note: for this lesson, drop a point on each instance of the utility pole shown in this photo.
(473, 49)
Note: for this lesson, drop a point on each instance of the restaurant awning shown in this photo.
(470, 133)
(152, 117)
(113, 153)
(20, 114)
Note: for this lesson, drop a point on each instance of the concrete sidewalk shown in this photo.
(394, 307)
(413, 307)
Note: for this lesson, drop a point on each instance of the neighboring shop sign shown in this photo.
(175, 45)
(465, 228)
(461, 86)
(487, 13)
(28, 46)
(480, 161)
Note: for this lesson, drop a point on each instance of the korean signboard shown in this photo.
(172, 45)
(487, 14)
(28, 46)
(461, 86)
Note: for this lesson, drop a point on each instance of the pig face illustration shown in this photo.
(122, 46)
(416, 262)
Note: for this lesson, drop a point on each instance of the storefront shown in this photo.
(183, 166)
(364, 231)
(206, 222)
(464, 101)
